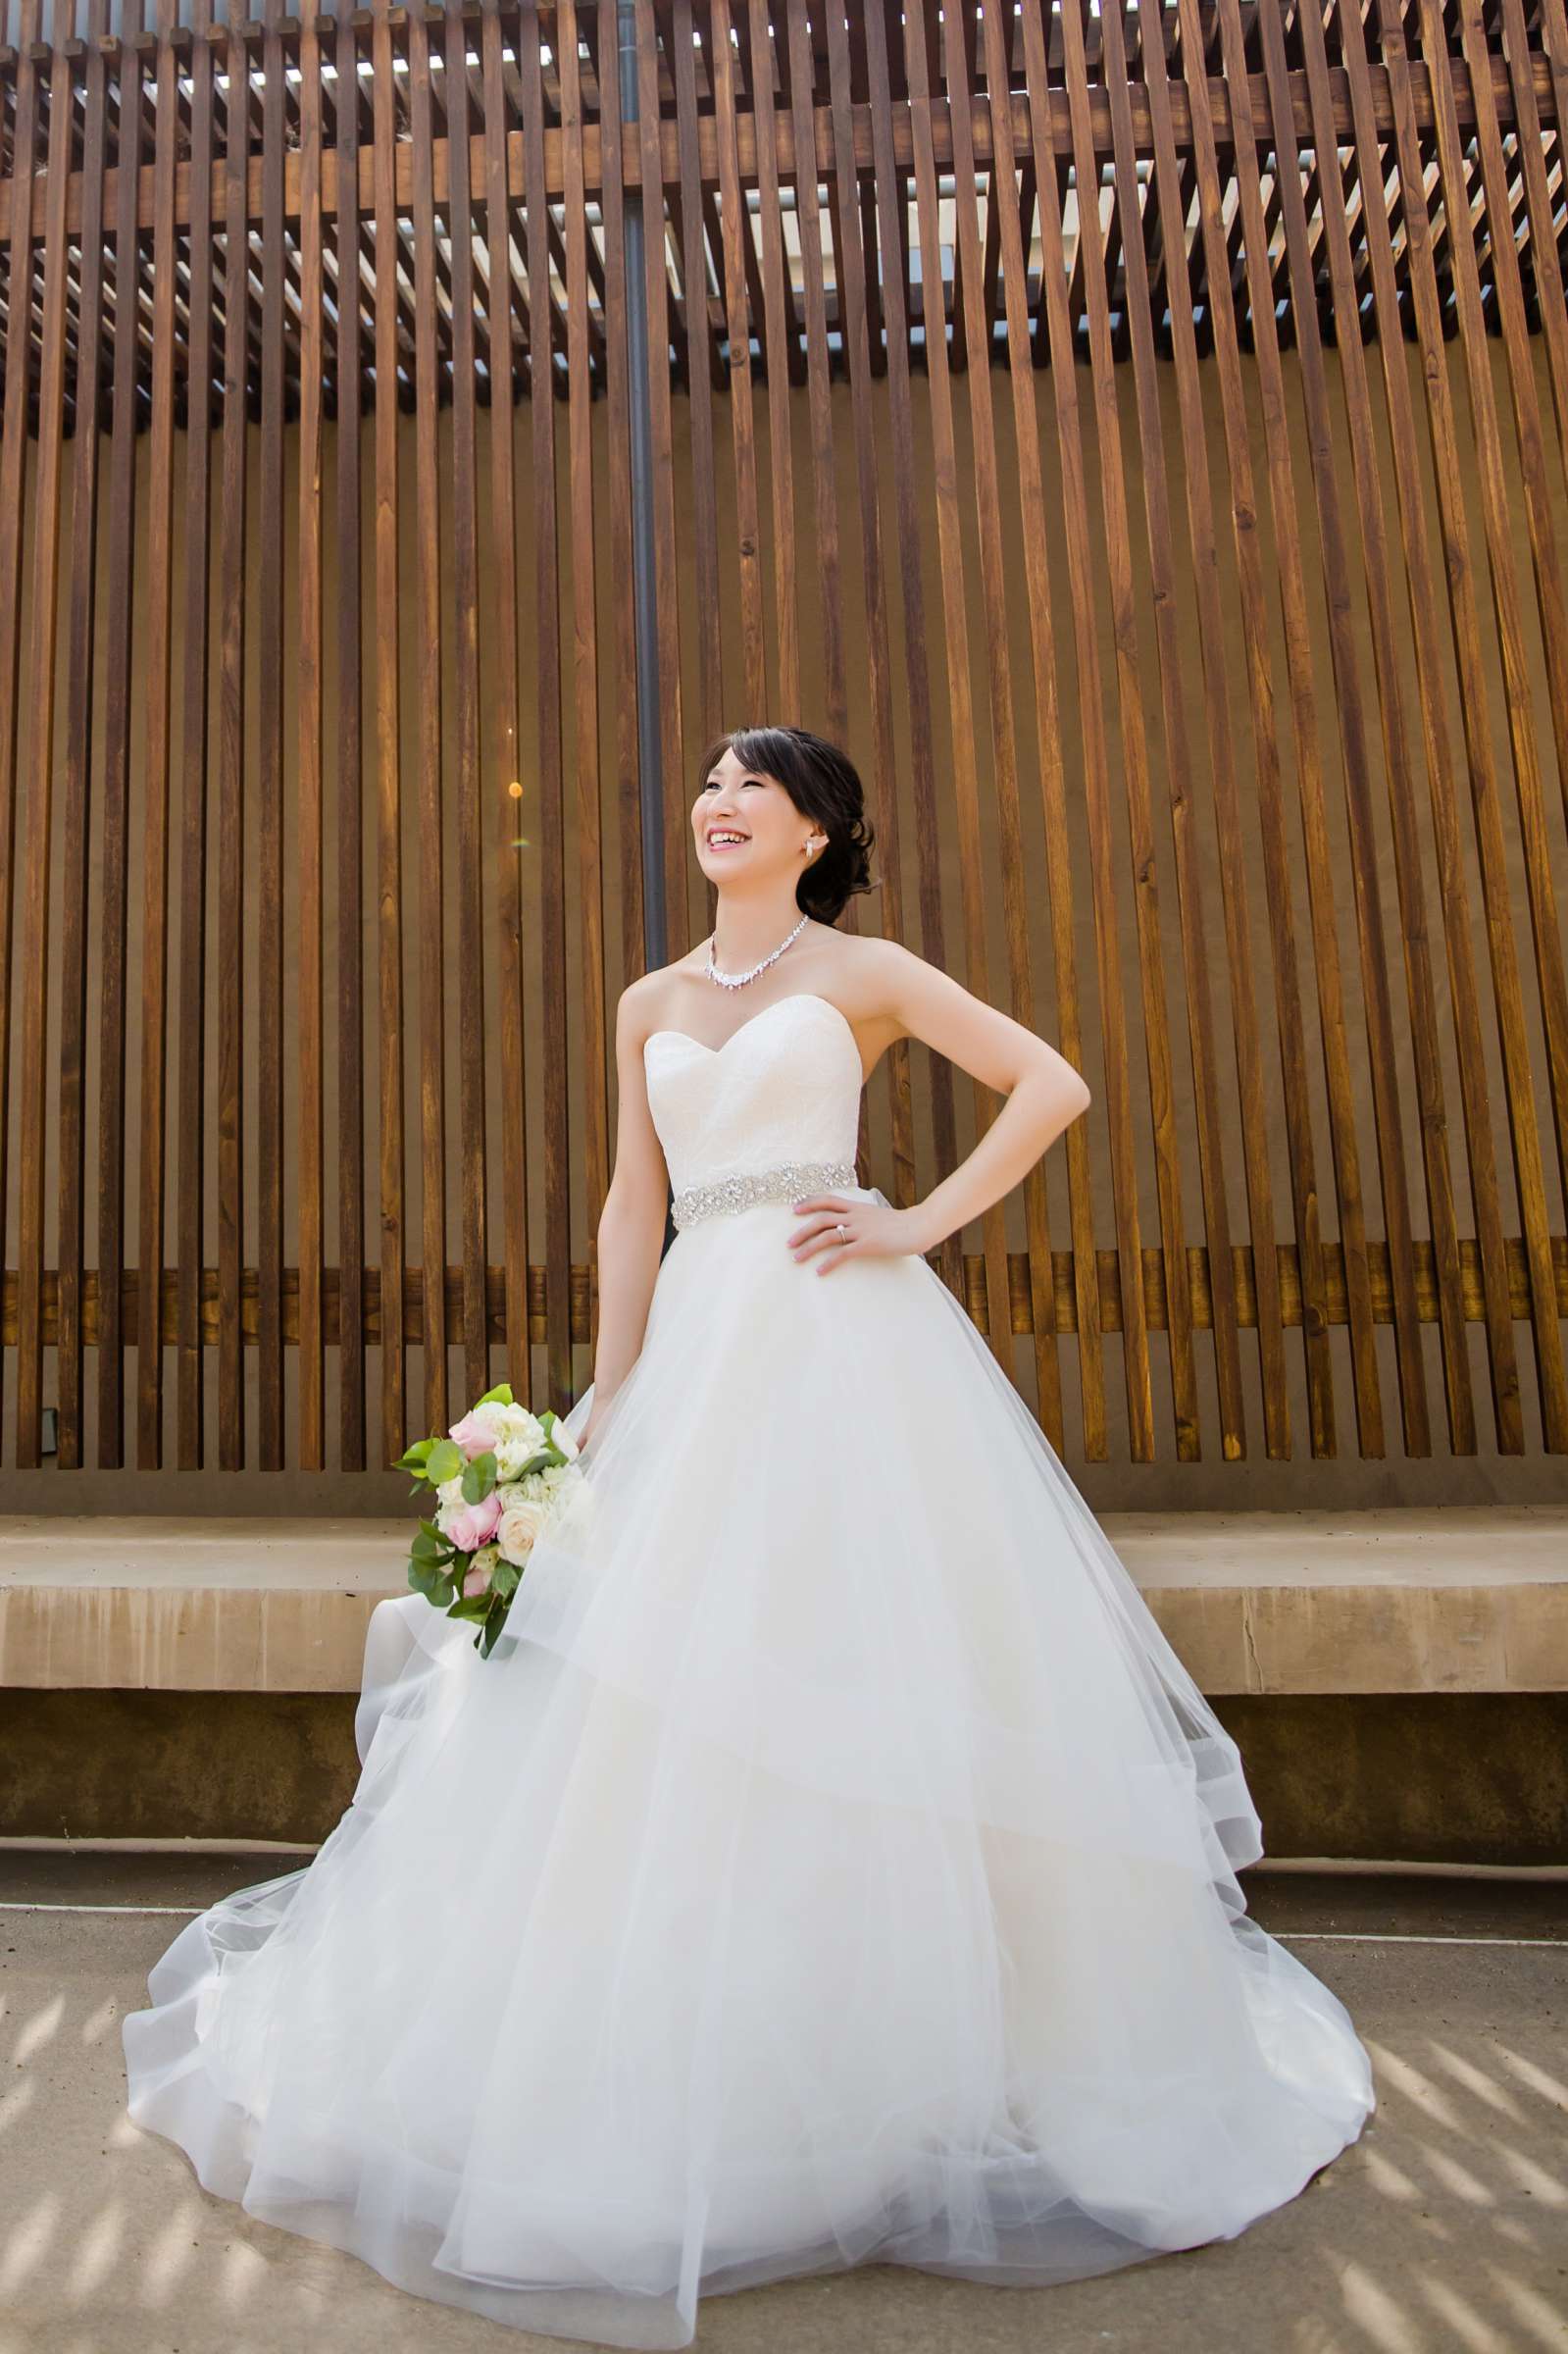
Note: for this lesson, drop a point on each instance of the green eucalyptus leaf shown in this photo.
(425, 1579)
(501, 1395)
(493, 1626)
(480, 1477)
(445, 1461)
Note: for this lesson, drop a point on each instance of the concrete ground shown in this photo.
(1444, 2226)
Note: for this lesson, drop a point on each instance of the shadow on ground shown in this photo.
(1446, 2225)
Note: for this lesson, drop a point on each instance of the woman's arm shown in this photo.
(631, 1230)
(1045, 1094)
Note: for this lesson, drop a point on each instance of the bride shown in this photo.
(832, 1863)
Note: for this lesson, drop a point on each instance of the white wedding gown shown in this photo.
(833, 1863)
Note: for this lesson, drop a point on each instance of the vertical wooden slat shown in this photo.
(158, 673)
(826, 571)
(39, 843)
(618, 459)
(960, 355)
(268, 761)
(739, 389)
(389, 749)
(270, 777)
(311, 1182)
(792, 352)
(775, 340)
(428, 659)
(547, 639)
(349, 962)
(191, 1048)
(233, 1192)
(467, 770)
(117, 657)
(78, 813)
(13, 479)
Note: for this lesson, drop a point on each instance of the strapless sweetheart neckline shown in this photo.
(794, 997)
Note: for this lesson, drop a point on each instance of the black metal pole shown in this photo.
(645, 584)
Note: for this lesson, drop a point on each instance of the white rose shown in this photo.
(518, 1435)
(522, 1521)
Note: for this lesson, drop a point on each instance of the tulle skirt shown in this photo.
(833, 1863)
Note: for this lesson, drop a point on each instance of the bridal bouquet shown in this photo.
(501, 1476)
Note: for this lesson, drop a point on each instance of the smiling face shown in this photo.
(744, 823)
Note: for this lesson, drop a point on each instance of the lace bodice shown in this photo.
(786, 1085)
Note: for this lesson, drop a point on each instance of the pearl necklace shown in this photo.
(738, 980)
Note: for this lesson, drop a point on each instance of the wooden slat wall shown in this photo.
(1198, 373)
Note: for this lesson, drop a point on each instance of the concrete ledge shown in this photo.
(1472, 1598)
(1466, 1598)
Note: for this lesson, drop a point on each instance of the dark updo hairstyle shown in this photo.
(824, 785)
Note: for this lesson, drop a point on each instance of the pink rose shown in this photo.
(472, 1525)
(477, 1433)
(477, 1578)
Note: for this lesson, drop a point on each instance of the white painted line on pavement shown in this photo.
(8, 1905)
(1398, 1937)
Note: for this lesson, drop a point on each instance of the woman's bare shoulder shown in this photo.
(645, 1002)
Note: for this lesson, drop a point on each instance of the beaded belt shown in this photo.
(784, 1183)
